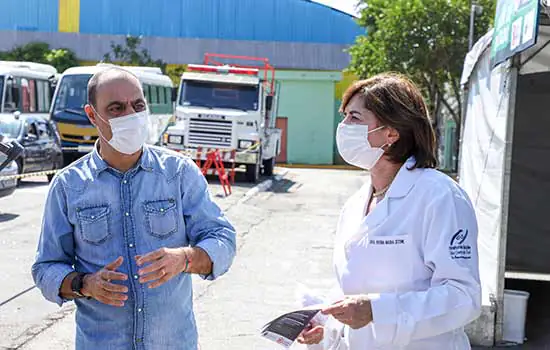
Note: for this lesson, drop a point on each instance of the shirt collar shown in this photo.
(404, 180)
(98, 165)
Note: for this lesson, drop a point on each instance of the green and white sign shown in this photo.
(516, 28)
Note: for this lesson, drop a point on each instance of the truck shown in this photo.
(230, 108)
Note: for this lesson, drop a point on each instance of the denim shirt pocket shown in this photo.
(93, 223)
(161, 217)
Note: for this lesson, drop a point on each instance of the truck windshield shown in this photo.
(219, 95)
(72, 95)
(10, 128)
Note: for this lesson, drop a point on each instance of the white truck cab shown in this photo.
(227, 108)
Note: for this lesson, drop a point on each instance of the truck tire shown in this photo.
(269, 165)
(252, 173)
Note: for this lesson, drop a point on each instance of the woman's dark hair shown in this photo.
(397, 102)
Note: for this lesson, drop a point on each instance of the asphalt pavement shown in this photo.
(284, 238)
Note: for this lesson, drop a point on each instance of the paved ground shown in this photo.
(285, 237)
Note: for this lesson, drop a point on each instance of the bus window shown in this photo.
(32, 95)
(43, 95)
(169, 102)
(154, 94)
(28, 95)
(147, 93)
(11, 101)
(162, 95)
(72, 94)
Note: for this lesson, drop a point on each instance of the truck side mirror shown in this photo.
(268, 102)
(174, 94)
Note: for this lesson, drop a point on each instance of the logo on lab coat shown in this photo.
(457, 248)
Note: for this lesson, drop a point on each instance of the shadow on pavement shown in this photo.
(4, 217)
(240, 180)
(33, 183)
(284, 185)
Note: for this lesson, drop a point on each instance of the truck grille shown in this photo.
(210, 133)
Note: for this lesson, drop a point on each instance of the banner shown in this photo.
(516, 28)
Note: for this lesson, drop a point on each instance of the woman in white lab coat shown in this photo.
(405, 253)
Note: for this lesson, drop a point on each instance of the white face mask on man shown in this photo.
(353, 145)
(129, 132)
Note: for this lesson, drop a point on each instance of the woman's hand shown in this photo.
(354, 311)
(311, 335)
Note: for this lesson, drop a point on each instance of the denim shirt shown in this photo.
(94, 214)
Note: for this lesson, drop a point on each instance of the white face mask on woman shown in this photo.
(129, 132)
(353, 145)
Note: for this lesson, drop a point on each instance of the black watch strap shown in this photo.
(77, 284)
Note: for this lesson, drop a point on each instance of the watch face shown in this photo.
(76, 285)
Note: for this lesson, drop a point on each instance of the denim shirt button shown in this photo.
(136, 277)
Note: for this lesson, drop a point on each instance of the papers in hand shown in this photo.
(286, 328)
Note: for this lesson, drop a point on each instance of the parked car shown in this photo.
(7, 186)
(39, 138)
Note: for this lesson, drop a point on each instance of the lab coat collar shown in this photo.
(404, 180)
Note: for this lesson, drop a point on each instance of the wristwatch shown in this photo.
(77, 284)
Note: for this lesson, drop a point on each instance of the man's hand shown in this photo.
(166, 263)
(354, 311)
(99, 286)
(311, 335)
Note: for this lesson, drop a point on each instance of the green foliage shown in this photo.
(40, 52)
(425, 39)
(130, 54)
(62, 59)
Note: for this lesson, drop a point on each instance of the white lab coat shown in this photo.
(416, 256)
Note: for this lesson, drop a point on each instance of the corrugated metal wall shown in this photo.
(262, 20)
(29, 15)
(259, 20)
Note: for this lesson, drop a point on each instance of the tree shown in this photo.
(62, 59)
(425, 39)
(130, 54)
(41, 52)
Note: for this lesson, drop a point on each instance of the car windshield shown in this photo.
(10, 128)
(73, 94)
(219, 95)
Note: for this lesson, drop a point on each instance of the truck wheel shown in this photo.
(252, 173)
(269, 164)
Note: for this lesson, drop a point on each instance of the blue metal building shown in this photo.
(295, 34)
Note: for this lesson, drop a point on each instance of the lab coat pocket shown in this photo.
(389, 265)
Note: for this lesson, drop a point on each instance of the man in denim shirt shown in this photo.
(125, 227)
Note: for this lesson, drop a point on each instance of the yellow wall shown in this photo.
(348, 78)
(69, 16)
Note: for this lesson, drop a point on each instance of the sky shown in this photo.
(342, 5)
